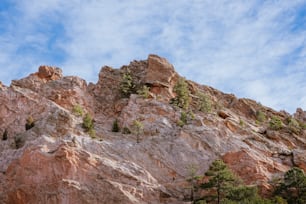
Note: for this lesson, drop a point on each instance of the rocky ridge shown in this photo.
(56, 161)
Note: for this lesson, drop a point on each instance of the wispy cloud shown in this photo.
(255, 49)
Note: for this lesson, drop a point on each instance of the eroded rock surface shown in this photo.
(56, 161)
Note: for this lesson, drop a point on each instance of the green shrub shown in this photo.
(241, 123)
(180, 123)
(302, 125)
(204, 102)
(260, 116)
(4, 136)
(126, 130)
(294, 125)
(182, 94)
(275, 123)
(127, 86)
(92, 133)
(138, 129)
(293, 186)
(78, 110)
(88, 124)
(185, 116)
(115, 127)
(30, 123)
(144, 92)
(19, 141)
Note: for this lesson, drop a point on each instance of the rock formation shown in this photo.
(56, 161)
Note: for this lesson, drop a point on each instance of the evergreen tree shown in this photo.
(144, 92)
(127, 86)
(192, 178)
(204, 102)
(30, 123)
(4, 136)
(87, 122)
(115, 127)
(293, 187)
(242, 194)
(221, 179)
(182, 94)
(138, 129)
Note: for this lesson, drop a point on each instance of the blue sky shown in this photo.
(254, 49)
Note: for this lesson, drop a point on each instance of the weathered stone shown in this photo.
(161, 75)
(300, 115)
(57, 162)
(49, 73)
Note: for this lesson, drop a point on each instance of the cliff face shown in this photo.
(56, 161)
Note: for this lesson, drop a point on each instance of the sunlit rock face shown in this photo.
(57, 161)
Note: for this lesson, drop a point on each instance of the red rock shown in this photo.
(59, 163)
(49, 73)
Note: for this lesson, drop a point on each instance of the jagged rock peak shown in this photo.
(59, 161)
(155, 72)
(49, 73)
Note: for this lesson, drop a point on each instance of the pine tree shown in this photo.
(138, 129)
(221, 179)
(4, 136)
(30, 123)
(115, 127)
(192, 178)
(127, 86)
(88, 122)
(182, 94)
(293, 187)
(204, 102)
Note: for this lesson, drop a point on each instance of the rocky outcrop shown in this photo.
(34, 81)
(160, 75)
(49, 73)
(56, 161)
(62, 172)
(300, 115)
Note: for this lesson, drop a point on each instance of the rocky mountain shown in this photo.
(56, 160)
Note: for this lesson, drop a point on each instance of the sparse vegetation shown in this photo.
(144, 92)
(293, 186)
(138, 129)
(88, 122)
(275, 123)
(224, 187)
(204, 102)
(88, 125)
(220, 178)
(4, 136)
(180, 123)
(260, 116)
(29, 123)
(19, 141)
(126, 130)
(192, 178)
(92, 133)
(127, 86)
(182, 98)
(115, 127)
(293, 125)
(241, 122)
(77, 110)
(302, 125)
(185, 116)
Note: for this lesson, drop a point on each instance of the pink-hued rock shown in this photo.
(300, 114)
(49, 73)
(161, 75)
(57, 161)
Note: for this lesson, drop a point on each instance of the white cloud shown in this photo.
(249, 48)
